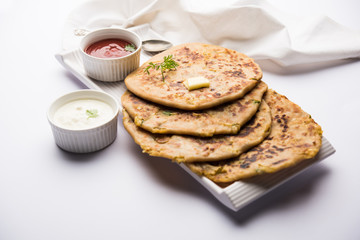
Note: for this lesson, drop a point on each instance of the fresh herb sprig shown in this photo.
(168, 64)
(92, 113)
(167, 113)
(130, 48)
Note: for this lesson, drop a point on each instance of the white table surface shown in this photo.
(120, 193)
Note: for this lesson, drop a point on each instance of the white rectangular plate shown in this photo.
(234, 196)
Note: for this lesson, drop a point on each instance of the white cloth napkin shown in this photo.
(253, 27)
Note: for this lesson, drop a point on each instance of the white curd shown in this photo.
(83, 114)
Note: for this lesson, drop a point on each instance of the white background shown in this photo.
(120, 193)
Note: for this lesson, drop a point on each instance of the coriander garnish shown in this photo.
(167, 113)
(92, 113)
(168, 64)
(130, 48)
(220, 170)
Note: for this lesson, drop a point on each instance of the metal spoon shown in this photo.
(155, 45)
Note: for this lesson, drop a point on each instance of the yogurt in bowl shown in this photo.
(84, 121)
(83, 114)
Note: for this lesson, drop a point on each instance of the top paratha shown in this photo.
(294, 137)
(231, 75)
(227, 118)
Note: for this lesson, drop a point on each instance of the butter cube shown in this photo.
(196, 83)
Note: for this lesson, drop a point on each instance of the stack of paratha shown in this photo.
(235, 128)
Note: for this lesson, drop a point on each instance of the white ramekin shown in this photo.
(110, 69)
(86, 140)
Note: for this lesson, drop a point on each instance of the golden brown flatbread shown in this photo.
(225, 119)
(188, 148)
(231, 75)
(294, 137)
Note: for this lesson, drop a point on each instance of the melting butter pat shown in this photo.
(196, 83)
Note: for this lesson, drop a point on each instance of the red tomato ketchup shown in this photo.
(110, 48)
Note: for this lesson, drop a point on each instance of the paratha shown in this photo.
(225, 119)
(231, 75)
(294, 137)
(188, 148)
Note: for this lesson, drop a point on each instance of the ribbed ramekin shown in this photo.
(85, 140)
(110, 69)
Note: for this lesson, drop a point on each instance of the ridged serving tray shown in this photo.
(236, 195)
